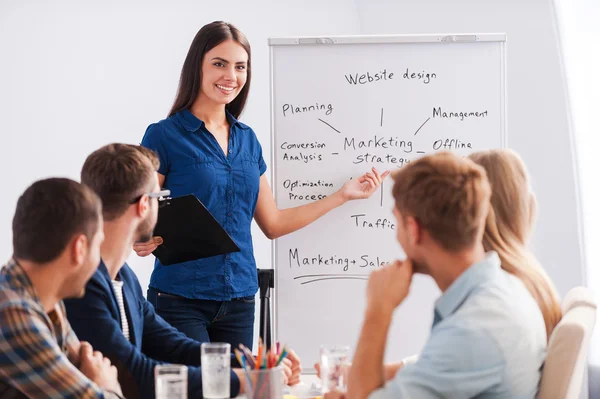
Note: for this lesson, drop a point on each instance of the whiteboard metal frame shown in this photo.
(504, 92)
(443, 39)
(379, 39)
(275, 307)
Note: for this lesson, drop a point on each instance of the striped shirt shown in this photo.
(118, 287)
(38, 351)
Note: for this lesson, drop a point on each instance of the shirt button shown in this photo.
(227, 256)
(227, 278)
(229, 213)
(230, 151)
(230, 192)
(229, 169)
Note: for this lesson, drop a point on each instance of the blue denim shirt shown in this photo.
(488, 341)
(193, 162)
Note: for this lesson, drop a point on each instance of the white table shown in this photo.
(307, 388)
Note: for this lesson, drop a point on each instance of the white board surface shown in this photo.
(341, 105)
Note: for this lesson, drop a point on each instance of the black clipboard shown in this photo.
(189, 232)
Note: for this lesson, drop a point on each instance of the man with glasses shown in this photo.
(114, 316)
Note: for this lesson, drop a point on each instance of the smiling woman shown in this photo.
(231, 57)
(204, 150)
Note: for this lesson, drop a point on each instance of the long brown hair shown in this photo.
(207, 38)
(509, 225)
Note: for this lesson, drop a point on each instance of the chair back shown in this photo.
(562, 376)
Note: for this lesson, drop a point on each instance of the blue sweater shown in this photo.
(96, 319)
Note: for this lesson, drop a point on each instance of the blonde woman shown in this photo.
(509, 226)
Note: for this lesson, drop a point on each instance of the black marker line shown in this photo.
(330, 125)
(381, 123)
(334, 278)
(331, 275)
(381, 194)
(335, 153)
(420, 152)
(422, 126)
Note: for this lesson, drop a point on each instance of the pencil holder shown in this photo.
(265, 383)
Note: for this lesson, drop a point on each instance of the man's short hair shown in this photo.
(447, 195)
(119, 173)
(49, 214)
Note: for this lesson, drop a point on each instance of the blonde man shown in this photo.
(488, 337)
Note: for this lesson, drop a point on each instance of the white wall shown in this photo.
(580, 33)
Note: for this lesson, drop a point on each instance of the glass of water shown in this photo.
(334, 368)
(216, 368)
(170, 381)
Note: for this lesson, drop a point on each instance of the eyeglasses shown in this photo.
(162, 196)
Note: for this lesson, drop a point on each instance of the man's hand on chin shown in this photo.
(388, 287)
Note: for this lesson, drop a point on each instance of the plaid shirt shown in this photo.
(38, 351)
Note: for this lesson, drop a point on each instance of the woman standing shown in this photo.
(205, 150)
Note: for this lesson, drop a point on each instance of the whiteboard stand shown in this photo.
(266, 281)
(339, 106)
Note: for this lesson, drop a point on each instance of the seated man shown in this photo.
(57, 232)
(488, 338)
(114, 315)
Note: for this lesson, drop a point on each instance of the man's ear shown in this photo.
(79, 249)
(143, 205)
(415, 231)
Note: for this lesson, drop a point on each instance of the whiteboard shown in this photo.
(340, 105)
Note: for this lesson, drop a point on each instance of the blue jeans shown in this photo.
(208, 321)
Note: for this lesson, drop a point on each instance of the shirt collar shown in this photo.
(191, 123)
(465, 284)
(232, 120)
(19, 280)
(103, 269)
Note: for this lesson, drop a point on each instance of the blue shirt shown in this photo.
(193, 162)
(488, 341)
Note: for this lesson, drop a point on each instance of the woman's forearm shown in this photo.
(292, 219)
